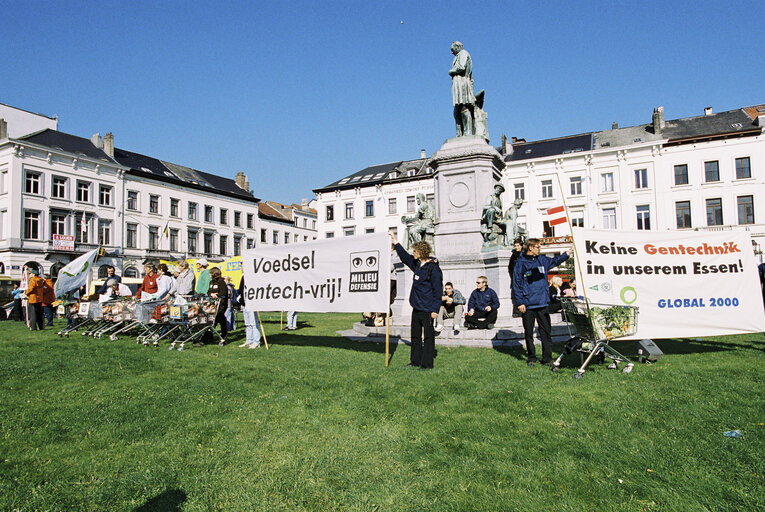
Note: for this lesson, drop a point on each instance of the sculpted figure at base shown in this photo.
(500, 228)
(420, 227)
(462, 90)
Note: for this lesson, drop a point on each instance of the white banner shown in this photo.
(349, 274)
(75, 274)
(63, 242)
(686, 284)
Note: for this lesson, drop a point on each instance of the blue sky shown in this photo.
(298, 94)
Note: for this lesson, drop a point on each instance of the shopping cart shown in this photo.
(71, 312)
(193, 320)
(592, 326)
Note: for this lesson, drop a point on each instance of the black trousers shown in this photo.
(481, 323)
(423, 350)
(220, 319)
(542, 318)
(36, 319)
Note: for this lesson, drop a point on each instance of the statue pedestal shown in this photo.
(467, 168)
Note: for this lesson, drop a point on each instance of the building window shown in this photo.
(193, 208)
(576, 186)
(683, 214)
(208, 243)
(547, 189)
(329, 234)
(348, 211)
(714, 212)
(208, 213)
(411, 172)
(547, 229)
(238, 219)
(223, 216)
(237, 246)
(57, 224)
(369, 208)
(3, 181)
(609, 218)
(132, 200)
(153, 238)
(607, 182)
(369, 230)
(681, 174)
(286, 238)
(174, 240)
(745, 209)
(641, 178)
(313, 224)
(393, 231)
(104, 195)
(349, 231)
(153, 204)
(250, 243)
(32, 182)
(644, 217)
(104, 232)
(391, 205)
(250, 221)
(191, 234)
(174, 207)
(330, 212)
(275, 238)
(577, 219)
(59, 187)
(223, 243)
(83, 191)
(410, 204)
(743, 170)
(132, 236)
(131, 272)
(520, 191)
(712, 171)
(31, 225)
(81, 231)
(262, 236)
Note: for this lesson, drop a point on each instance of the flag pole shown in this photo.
(387, 338)
(262, 329)
(570, 229)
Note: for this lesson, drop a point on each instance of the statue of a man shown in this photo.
(422, 225)
(492, 214)
(462, 90)
(514, 230)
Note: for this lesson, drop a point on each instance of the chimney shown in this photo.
(614, 125)
(109, 144)
(97, 141)
(708, 111)
(658, 119)
(3, 129)
(760, 121)
(507, 148)
(423, 154)
(242, 181)
(304, 204)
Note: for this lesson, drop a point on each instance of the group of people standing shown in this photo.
(40, 298)
(431, 302)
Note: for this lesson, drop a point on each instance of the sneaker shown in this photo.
(456, 332)
(243, 345)
(438, 327)
(253, 345)
(531, 362)
(412, 365)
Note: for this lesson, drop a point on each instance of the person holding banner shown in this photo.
(532, 296)
(251, 324)
(425, 299)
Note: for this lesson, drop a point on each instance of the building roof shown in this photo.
(550, 147)
(378, 174)
(732, 122)
(266, 211)
(141, 165)
(73, 144)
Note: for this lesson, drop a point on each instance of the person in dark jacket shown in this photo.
(517, 250)
(482, 306)
(532, 296)
(219, 290)
(425, 299)
(110, 274)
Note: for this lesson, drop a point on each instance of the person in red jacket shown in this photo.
(49, 297)
(35, 297)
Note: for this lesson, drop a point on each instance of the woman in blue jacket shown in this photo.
(425, 299)
(531, 295)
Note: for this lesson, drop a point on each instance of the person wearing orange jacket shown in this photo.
(49, 297)
(35, 298)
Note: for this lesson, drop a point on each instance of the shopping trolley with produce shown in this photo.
(592, 326)
(194, 320)
(85, 315)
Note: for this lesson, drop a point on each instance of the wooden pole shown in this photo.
(570, 229)
(387, 339)
(262, 329)
(281, 313)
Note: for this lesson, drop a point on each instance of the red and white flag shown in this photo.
(556, 215)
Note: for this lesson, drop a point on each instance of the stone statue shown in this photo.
(462, 90)
(421, 226)
(497, 228)
(480, 117)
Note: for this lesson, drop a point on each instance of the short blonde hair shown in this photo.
(556, 281)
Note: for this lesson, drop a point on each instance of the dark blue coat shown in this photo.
(426, 291)
(103, 287)
(480, 299)
(530, 286)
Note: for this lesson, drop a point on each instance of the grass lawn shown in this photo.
(319, 423)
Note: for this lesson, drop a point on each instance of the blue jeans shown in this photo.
(291, 320)
(252, 327)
